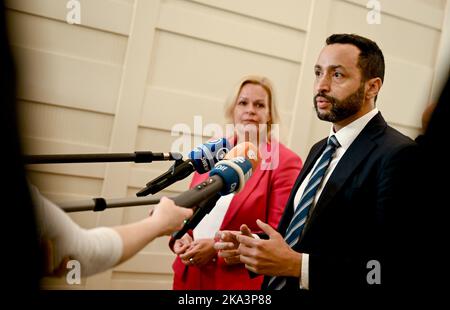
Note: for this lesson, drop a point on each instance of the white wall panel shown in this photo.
(159, 141)
(108, 15)
(405, 92)
(56, 183)
(426, 12)
(59, 37)
(91, 170)
(187, 18)
(33, 145)
(162, 108)
(216, 68)
(291, 13)
(400, 38)
(64, 124)
(71, 82)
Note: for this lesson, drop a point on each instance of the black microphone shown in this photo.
(200, 212)
(201, 159)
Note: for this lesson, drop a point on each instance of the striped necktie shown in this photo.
(298, 220)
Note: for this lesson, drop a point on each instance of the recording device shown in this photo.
(228, 176)
(243, 152)
(201, 159)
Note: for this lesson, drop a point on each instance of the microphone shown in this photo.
(228, 176)
(201, 159)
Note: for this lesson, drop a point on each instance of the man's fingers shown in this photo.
(248, 241)
(272, 233)
(251, 268)
(247, 260)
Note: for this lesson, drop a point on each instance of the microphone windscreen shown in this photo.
(234, 173)
(205, 156)
(247, 150)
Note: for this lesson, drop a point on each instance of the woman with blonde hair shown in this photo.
(252, 110)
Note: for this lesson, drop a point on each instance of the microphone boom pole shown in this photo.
(187, 199)
(100, 204)
(137, 157)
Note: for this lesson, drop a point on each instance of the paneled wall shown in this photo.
(133, 69)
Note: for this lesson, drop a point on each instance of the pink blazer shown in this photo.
(264, 197)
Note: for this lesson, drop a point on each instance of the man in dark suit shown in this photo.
(346, 226)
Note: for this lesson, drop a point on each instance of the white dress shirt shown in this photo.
(345, 137)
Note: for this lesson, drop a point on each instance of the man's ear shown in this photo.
(373, 86)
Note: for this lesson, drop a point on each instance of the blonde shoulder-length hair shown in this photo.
(257, 80)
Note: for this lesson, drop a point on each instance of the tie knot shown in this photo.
(332, 141)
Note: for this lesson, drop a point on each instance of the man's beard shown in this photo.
(341, 109)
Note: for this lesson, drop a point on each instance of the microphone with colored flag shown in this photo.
(201, 159)
(228, 176)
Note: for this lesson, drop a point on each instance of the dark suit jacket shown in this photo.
(360, 215)
(433, 201)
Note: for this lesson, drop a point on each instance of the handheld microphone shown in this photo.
(228, 176)
(201, 159)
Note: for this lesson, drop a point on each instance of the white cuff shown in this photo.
(304, 278)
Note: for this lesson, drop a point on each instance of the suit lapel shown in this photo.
(307, 166)
(357, 152)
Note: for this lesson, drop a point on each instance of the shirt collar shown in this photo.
(348, 134)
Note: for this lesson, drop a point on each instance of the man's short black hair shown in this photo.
(371, 59)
